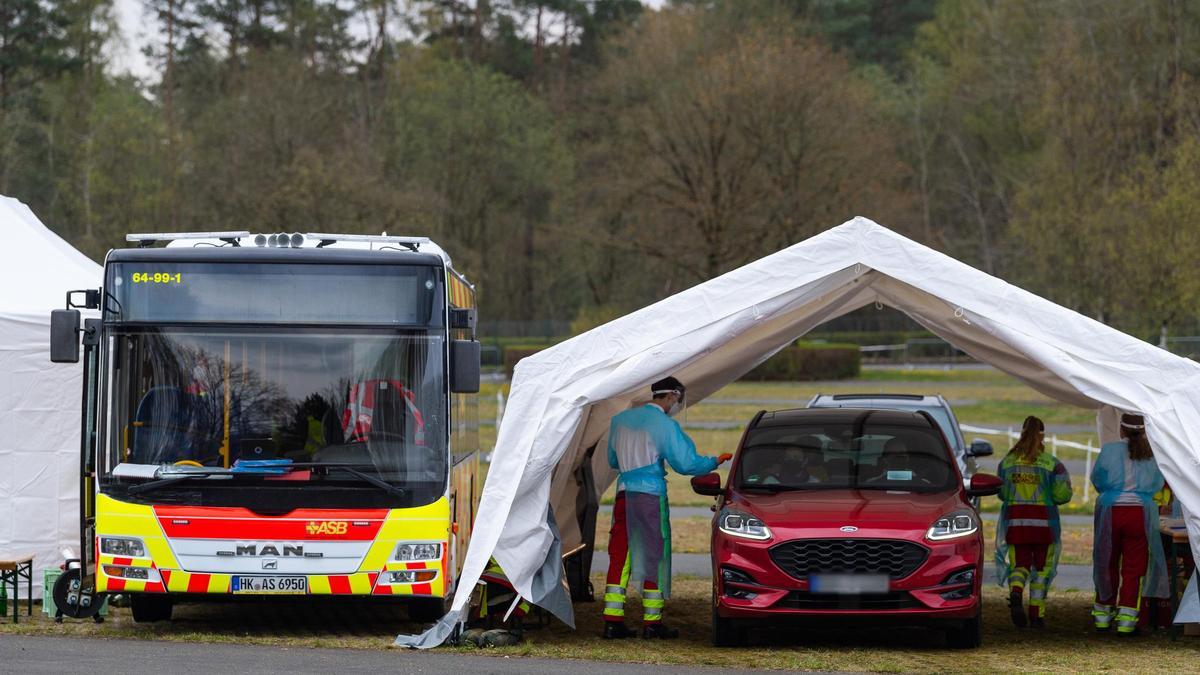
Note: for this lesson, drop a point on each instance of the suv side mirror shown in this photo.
(708, 485)
(464, 366)
(64, 336)
(980, 448)
(984, 485)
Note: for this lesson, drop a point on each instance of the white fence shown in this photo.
(1054, 443)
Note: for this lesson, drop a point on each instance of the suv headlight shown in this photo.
(742, 525)
(412, 552)
(953, 525)
(122, 546)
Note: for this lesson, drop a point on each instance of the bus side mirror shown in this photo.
(464, 366)
(64, 336)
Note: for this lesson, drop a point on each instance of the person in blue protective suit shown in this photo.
(1128, 562)
(1028, 532)
(640, 441)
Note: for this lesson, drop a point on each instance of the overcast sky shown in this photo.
(136, 26)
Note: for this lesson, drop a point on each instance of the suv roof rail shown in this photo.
(906, 397)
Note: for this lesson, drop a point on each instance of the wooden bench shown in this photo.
(12, 570)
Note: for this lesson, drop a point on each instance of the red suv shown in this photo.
(846, 513)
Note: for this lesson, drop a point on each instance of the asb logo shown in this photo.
(327, 527)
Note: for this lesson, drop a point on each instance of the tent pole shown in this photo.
(1087, 473)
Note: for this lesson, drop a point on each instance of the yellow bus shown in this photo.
(286, 414)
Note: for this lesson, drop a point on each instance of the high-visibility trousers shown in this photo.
(1127, 561)
(618, 573)
(498, 595)
(1029, 569)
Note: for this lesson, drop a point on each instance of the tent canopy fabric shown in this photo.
(39, 401)
(710, 335)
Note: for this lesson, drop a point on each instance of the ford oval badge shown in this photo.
(849, 528)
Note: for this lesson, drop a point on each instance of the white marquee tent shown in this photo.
(39, 401)
(563, 398)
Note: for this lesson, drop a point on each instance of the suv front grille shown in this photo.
(801, 557)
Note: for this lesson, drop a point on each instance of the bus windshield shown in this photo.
(374, 400)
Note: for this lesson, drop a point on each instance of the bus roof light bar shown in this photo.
(144, 240)
(411, 243)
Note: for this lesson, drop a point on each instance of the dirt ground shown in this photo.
(1067, 644)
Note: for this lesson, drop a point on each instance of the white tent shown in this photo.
(39, 401)
(563, 398)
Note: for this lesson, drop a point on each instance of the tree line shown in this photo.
(581, 158)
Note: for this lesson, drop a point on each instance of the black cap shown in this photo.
(667, 384)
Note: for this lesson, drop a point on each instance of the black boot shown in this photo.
(657, 630)
(1014, 607)
(617, 631)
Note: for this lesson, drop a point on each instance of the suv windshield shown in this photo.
(845, 455)
(374, 400)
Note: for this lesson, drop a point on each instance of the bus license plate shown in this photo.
(276, 585)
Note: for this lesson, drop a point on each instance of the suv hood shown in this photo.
(805, 510)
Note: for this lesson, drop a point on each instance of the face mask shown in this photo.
(675, 407)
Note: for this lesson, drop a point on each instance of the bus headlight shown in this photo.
(122, 546)
(412, 576)
(147, 574)
(414, 552)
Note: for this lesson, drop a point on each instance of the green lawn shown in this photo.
(1067, 644)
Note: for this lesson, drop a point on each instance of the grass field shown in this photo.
(1066, 645)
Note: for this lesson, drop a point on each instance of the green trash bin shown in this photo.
(48, 607)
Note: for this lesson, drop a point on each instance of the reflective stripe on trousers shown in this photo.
(1037, 594)
(1018, 577)
(1102, 615)
(1127, 618)
(652, 606)
(614, 601)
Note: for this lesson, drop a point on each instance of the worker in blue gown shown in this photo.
(641, 441)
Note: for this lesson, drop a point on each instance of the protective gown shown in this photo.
(640, 441)
(1048, 485)
(1114, 475)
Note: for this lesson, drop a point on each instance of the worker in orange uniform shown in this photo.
(1028, 533)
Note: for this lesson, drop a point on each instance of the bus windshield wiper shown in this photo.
(365, 477)
(172, 480)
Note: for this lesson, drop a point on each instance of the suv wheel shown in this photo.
(149, 607)
(968, 634)
(726, 632)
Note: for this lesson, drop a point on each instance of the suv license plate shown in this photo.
(273, 585)
(848, 584)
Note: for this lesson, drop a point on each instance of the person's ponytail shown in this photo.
(1027, 446)
(1134, 430)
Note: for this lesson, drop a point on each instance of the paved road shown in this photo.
(68, 654)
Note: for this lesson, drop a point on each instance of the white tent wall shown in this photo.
(39, 445)
(563, 398)
(40, 402)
